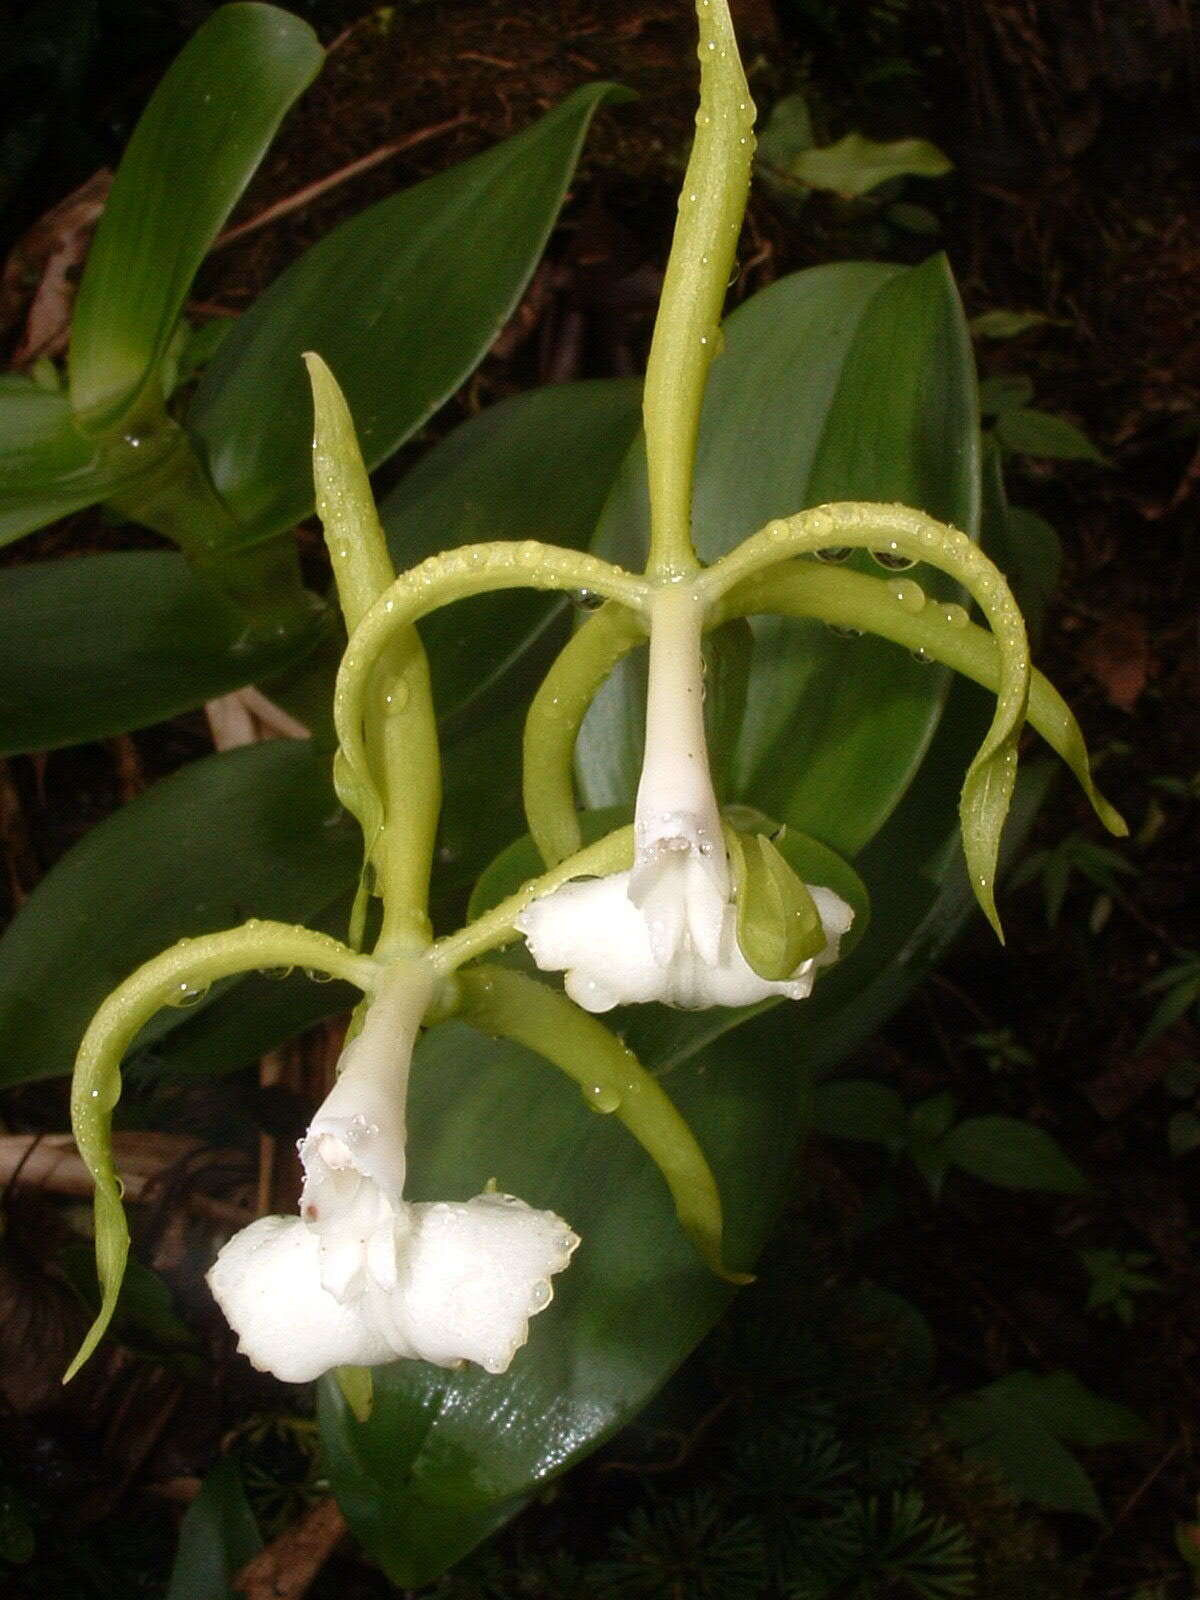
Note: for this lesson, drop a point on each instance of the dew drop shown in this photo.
(315, 975)
(540, 1295)
(892, 558)
(910, 595)
(278, 973)
(601, 1097)
(955, 615)
(834, 553)
(922, 656)
(188, 994)
(397, 699)
(843, 632)
(587, 599)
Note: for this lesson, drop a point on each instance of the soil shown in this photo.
(1072, 130)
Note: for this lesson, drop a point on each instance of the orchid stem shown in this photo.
(687, 328)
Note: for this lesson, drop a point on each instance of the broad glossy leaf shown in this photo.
(538, 466)
(446, 1457)
(48, 468)
(253, 832)
(401, 301)
(842, 382)
(192, 153)
(94, 645)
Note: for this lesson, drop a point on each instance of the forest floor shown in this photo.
(1074, 195)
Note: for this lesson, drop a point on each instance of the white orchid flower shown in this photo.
(362, 1276)
(666, 930)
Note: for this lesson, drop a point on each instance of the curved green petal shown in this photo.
(898, 609)
(553, 723)
(510, 1005)
(175, 977)
(437, 581)
(899, 532)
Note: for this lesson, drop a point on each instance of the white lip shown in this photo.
(362, 1276)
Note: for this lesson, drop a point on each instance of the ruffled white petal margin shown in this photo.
(666, 930)
(361, 1276)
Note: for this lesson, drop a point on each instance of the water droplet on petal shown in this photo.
(587, 599)
(893, 558)
(955, 615)
(188, 994)
(601, 1097)
(910, 595)
(540, 1295)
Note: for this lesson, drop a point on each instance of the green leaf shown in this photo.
(855, 164)
(447, 1457)
(47, 467)
(1022, 1424)
(145, 1320)
(1007, 391)
(1003, 324)
(842, 382)
(787, 133)
(860, 1108)
(402, 301)
(1013, 1155)
(1040, 433)
(94, 645)
(1022, 544)
(217, 1536)
(192, 153)
(537, 466)
(253, 832)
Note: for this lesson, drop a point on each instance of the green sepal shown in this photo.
(778, 924)
(176, 977)
(358, 1390)
(511, 1005)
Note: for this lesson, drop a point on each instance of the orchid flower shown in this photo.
(666, 929)
(362, 1276)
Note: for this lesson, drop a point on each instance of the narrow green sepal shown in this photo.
(510, 1005)
(358, 1390)
(178, 976)
(778, 924)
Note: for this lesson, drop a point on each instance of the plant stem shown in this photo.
(885, 607)
(687, 329)
(552, 726)
(177, 500)
(399, 728)
(613, 853)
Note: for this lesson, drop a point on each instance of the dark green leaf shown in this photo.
(145, 1320)
(844, 382)
(859, 1108)
(1013, 1155)
(254, 832)
(1040, 433)
(538, 466)
(402, 301)
(192, 153)
(47, 467)
(1022, 544)
(95, 645)
(217, 1536)
(1005, 392)
(1023, 1422)
(446, 1458)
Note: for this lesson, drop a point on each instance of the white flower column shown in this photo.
(361, 1276)
(666, 929)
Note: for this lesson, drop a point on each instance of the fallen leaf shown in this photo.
(285, 1568)
(48, 256)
